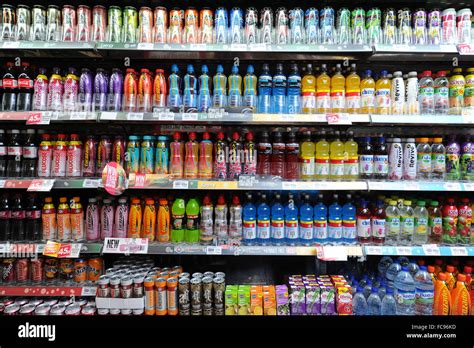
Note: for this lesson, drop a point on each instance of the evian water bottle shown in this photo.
(121, 219)
(40, 94)
(92, 220)
(409, 159)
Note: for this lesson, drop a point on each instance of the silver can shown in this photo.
(23, 22)
(43, 309)
(8, 23)
(266, 22)
(38, 25)
(251, 25)
(54, 23)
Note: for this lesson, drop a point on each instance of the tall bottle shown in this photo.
(17, 222)
(235, 219)
(25, 88)
(48, 219)
(149, 220)
(412, 106)
(335, 221)
(93, 222)
(307, 165)
(306, 233)
(191, 232)
(366, 159)
(379, 223)
(421, 231)
(438, 159)
(397, 94)
(367, 91)
(278, 155)
(55, 91)
(191, 157)
(426, 93)
(351, 157)
(174, 84)
(265, 83)
(64, 220)
(30, 155)
(308, 89)
(456, 91)
(441, 93)
(250, 89)
(320, 221)
(279, 90)
(219, 83)
(205, 157)
(263, 221)
(353, 91)
(322, 165)
(249, 222)
(178, 220)
(77, 220)
(163, 226)
(3, 154)
(294, 91)
(453, 152)
(235, 160)
(204, 95)
(450, 221)
(107, 220)
(336, 158)
(33, 220)
(190, 88)
(220, 157)
(9, 89)
(40, 94)
(264, 151)
(442, 298)
(393, 224)
(382, 94)
(86, 86)
(323, 91)
(207, 221)
(435, 223)
(235, 88)
(177, 156)
(380, 159)
(250, 155)
(364, 233)
(395, 160)
(424, 159)
(407, 224)
(291, 221)
(349, 221)
(460, 297)
(71, 90)
(467, 159)
(405, 286)
(464, 222)
(14, 155)
(410, 159)
(338, 91)
(292, 153)
(277, 230)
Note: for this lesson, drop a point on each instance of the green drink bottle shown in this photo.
(177, 214)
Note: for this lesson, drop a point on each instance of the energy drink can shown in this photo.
(358, 27)
(66, 269)
(99, 23)
(38, 24)
(326, 23)
(390, 27)
(463, 26)
(297, 26)
(236, 25)
(207, 293)
(162, 156)
(115, 24)
(130, 24)
(83, 23)
(176, 26)
(343, 26)
(160, 16)
(68, 14)
(419, 27)
(374, 29)
(448, 18)
(132, 159)
(159, 89)
(80, 271)
(196, 294)
(191, 25)
(207, 25)
(23, 22)
(251, 25)
(54, 23)
(90, 157)
(104, 153)
(311, 25)
(434, 27)
(281, 26)
(8, 23)
(404, 27)
(145, 19)
(118, 150)
(147, 155)
(221, 23)
(266, 22)
(184, 304)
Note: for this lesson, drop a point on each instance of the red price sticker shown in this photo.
(338, 118)
(51, 249)
(466, 49)
(41, 185)
(140, 180)
(35, 118)
(64, 250)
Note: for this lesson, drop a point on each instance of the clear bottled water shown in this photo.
(389, 305)
(413, 268)
(374, 304)
(404, 292)
(359, 303)
(383, 265)
(367, 288)
(382, 290)
(424, 292)
(392, 272)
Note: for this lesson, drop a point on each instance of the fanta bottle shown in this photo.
(382, 94)
(149, 220)
(353, 89)
(135, 219)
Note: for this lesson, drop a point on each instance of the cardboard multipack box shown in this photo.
(231, 303)
(256, 300)
(344, 300)
(328, 294)
(313, 299)
(297, 299)
(282, 300)
(243, 300)
(269, 300)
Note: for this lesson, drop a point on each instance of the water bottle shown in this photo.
(291, 221)
(279, 91)
(235, 220)
(374, 304)
(359, 303)
(367, 288)
(265, 83)
(426, 97)
(306, 222)
(250, 222)
(349, 230)
(263, 221)
(320, 221)
(389, 305)
(383, 265)
(294, 90)
(382, 289)
(405, 292)
(392, 272)
(335, 221)
(424, 292)
(278, 221)
(413, 267)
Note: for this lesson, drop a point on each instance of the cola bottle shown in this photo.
(30, 155)
(33, 219)
(3, 154)
(10, 88)
(25, 88)
(14, 154)
(5, 219)
(18, 220)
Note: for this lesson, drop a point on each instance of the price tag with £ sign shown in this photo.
(181, 184)
(41, 185)
(331, 253)
(38, 118)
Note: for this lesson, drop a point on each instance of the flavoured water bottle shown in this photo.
(335, 221)
(250, 222)
(291, 221)
(277, 221)
(263, 221)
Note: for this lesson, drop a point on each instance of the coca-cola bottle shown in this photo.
(18, 220)
(25, 89)
(10, 88)
(33, 219)
(3, 154)
(5, 215)
(14, 154)
(30, 155)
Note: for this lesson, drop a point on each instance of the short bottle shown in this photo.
(435, 223)
(389, 305)
(424, 159)
(374, 303)
(392, 223)
(420, 235)
(359, 303)
(364, 233)
(366, 159)
(249, 222)
(424, 292)
(378, 223)
(380, 159)
(407, 223)
(438, 159)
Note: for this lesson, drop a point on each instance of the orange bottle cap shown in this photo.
(48, 200)
(462, 277)
(63, 199)
(431, 269)
(450, 269)
(150, 202)
(442, 276)
(135, 201)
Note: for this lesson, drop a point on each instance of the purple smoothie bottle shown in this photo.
(453, 151)
(85, 90)
(467, 157)
(101, 87)
(115, 90)
(40, 93)
(121, 219)
(71, 90)
(92, 220)
(106, 219)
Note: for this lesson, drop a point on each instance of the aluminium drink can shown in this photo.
(23, 22)
(160, 16)
(38, 24)
(69, 23)
(311, 25)
(145, 19)
(53, 29)
(297, 26)
(191, 25)
(266, 23)
(84, 20)
(115, 24)
(130, 24)
(99, 23)
(221, 23)
(8, 23)
(251, 25)
(236, 25)
(206, 20)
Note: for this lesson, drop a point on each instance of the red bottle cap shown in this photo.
(74, 137)
(221, 200)
(462, 277)
(442, 276)
(236, 136)
(465, 200)
(431, 269)
(146, 71)
(467, 269)
(421, 262)
(220, 136)
(249, 136)
(177, 136)
(192, 136)
(206, 136)
(426, 73)
(61, 136)
(450, 268)
(159, 71)
(206, 200)
(235, 200)
(130, 70)
(45, 137)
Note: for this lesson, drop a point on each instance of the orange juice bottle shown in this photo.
(438, 266)
(308, 91)
(460, 298)
(64, 220)
(382, 94)
(163, 226)
(431, 271)
(149, 220)
(353, 91)
(450, 279)
(77, 220)
(367, 90)
(48, 217)
(323, 91)
(135, 219)
(442, 296)
(338, 90)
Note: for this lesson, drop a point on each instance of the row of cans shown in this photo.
(47, 306)
(50, 270)
(283, 26)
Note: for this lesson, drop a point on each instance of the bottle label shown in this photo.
(426, 97)
(18, 214)
(291, 229)
(321, 229)
(263, 229)
(306, 230)
(436, 225)
(409, 161)
(378, 228)
(424, 297)
(322, 166)
(408, 225)
(363, 228)
(278, 229)
(349, 229)
(337, 100)
(10, 83)
(33, 214)
(382, 98)
(351, 166)
(25, 83)
(393, 226)
(335, 229)
(14, 150)
(337, 167)
(323, 100)
(381, 164)
(309, 101)
(353, 100)
(424, 162)
(366, 164)
(421, 225)
(3, 150)
(368, 97)
(452, 163)
(396, 162)
(250, 230)
(405, 298)
(30, 152)
(5, 214)
(307, 166)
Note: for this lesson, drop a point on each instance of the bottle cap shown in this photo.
(177, 136)
(423, 268)
(442, 276)
(461, 277)
(221, 200)
(48, 200)
(235, 200)
(467, 269)
(249, 136)
(393, 203)
(63, 200)
(405, 268)
(421, 203)
(235, 136)
(135, 201)
(204, 69)
(220, 136)
(192, 136)
(206, 136)
(150, 202)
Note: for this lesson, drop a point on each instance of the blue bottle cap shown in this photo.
(405, 268)
(250, 69)
(384, 73)
(220, 69)
(235, 69)
(368, 72)
(190, 69)
(204, 69)
(423, 268)
(375, 290)
(389, 291)
(174, 68)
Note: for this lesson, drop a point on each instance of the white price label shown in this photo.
(166, 116)
(258, 47)
(468, 186)
(431, 250)
(140, 180)
(145, 46)
(246, 181)
(213, 250)
(105, 116)
(43, 118)
(192, 116)
(198, 47)
(452, 186)
(78, 116)
(331, 253)
(41, 185)
(401, 47)
(373, 250)
(2, 183)
(215, 113)
(89, 291)
(238, 47)
(404, 250)
(181, 184)
(11, 44)
(411, 186)
(458, 251)
(90, 183)
(125, 246)
(135, 116)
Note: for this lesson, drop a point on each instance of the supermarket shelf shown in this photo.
(66, 183)
(466, 119)
(424, 250)
(19, 249)
(419, 186)
(47, 290)
(45, 117)
(414, 52)
(40, 45)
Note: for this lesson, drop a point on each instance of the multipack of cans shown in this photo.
(235, 26)
(47, 306)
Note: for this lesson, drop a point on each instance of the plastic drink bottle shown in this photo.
(48, 219)
(323, 91)
(468, 88)
(116, 84)
(410, 158)
(424, 292)
(235, 88)
(191, 233)
(235, 219)
(392, 270)
(338, 98)
(164, 221)
(278, 155)
(453, 151)
(177, 156)
(405, 286)
(378, 223)
(207, 221)
(397, 94)
(292, 153)
(467, 159)
(3, 154)
(407, 223)
(367, 288)
(121, 219)
(250, 155)
(205, 157)
(349, 221)
(14, 155)
(382, 94)
(100, 90)
(190, 88)
(25, 88)
(30, 155)
(291, 221)
(307, 165)
(389, 304)
(450, 277)
(249, 222)
(86, 86)
(424, 159)
(322, 165)
(18, 216)
(367, 91)
(450, 221)
(264, 152)
(174, 84)
(412, 106)
(442, 297)
(335, 221)
(359, 303)
(351, 158)
(250, 89)
(374, 303)
(441, 93)
(107, 220)
(393, 224)
(263, 221)
(438, 159)
(220, 157)
(162, 155)
(135, 219)
(147, 154)
(320, 221)
(366, 159)
(413, 267)
(220, 224)
(426, 93)
(421, 223)
(64, 220)
(460, 297)
(279, 91)
(336, 158)
(456, 91)
(149, 220)
(55, 91)
(77, 220)
(265, 83)
(191, 157)
(235, 160)
(435, 223)
(73, 157)
(294, 91)
(132, 163)
(33, 220)
(9, 86)
(464, 222)
(219, 82)
(353, 90)
(395, 160)
(40, 94)
(178, 211)
(277, 221)
(308, 89)
(381, 167)
(204, 95)
(306, 233)
(364, 233)
(71, 90)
